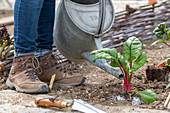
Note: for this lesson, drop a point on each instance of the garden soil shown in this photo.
(100, 88)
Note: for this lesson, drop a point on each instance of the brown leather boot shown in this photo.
(22, 76)
(49, 66)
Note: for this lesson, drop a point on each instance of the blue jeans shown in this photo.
(33, 26)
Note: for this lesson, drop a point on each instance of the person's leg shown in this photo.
(22, 76)
(45, 26)
(26, 16)
(48, 61)
(65, 75)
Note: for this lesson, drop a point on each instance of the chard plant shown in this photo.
(131, 60)
(163, 35)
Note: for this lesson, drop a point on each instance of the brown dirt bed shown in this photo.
(100, 86)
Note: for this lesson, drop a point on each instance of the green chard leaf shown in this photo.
(102, 56)
(167, 64)
(113, 64)
(158, 41)
(132, 49)
(168, 34)
(98, 51)
(147, 95)
(162, 26)
(105, 54)
(139, 62)
(150, 59)
(121, 59)
(168, 60)
(112, 52)
(133, 92)
(160, 30)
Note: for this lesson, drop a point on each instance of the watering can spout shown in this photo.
(102, 63)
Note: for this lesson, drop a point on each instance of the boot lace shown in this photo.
(30, 70)
(61, 65)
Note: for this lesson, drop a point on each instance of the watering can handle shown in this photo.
(101, 63)
(101, 20)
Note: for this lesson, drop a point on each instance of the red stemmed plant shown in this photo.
(130, 62)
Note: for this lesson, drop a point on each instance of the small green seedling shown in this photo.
(164, 35)
(130, 62)
(161, 33)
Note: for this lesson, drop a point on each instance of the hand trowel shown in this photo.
(76, 104)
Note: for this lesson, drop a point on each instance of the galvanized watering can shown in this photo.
(79, 26)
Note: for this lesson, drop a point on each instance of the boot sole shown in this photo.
(13, 86)
(73, 84)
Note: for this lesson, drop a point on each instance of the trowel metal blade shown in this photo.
(84, 107)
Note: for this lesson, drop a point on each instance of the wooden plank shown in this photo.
(7, 20)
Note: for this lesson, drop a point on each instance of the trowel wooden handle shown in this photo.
(46, 102)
